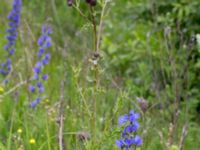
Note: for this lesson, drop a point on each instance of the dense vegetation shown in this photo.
(106, 60)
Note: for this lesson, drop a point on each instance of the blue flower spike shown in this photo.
(44, 42)
(14, 22)
(130, 125)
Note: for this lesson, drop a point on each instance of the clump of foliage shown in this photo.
(107, 57)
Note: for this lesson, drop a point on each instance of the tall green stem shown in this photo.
(93, 123)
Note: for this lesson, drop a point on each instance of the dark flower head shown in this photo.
(69, 2)
(93, 2)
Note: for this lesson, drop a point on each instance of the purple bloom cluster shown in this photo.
(129, 137)
(44, 42)
(14, 21)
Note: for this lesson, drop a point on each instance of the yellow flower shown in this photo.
(174, 147)
(19, 131)
(47, 100)
(32, 141)
(138, 148)
(1, 89)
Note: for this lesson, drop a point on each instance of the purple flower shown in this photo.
(44, 42)
(120, 143)
(45, 77)
(45, 61)
(69, 2)
(38, 64)
(41, 40)
(37, 70)
(40, 52)
(39, 84)
(137, 140)
(133, 116)
(48, 42)
(130, 126)
(41, 89)
(35, 76)
(47, 56)
(31, 88)
(123, 119)
(35, 102)
(14, 21)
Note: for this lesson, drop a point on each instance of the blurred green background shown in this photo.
(149, 49)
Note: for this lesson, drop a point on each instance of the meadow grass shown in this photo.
(82, 101)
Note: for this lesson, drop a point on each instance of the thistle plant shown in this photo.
(14, 22)
(96, 21)
(130, 140)
(43, 55)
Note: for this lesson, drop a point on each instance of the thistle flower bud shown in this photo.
(69, 2)
(93, 2)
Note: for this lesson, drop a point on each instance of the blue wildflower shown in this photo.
(45, 77)
(35, 102)
(123, 119)
(31, 88)
(14, 21)
(130, 126)
(44, 42)
(137, 140)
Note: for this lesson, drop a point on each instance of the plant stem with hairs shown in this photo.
(93, 120)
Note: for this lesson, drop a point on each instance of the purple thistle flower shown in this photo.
(69, 2)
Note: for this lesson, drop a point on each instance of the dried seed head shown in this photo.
(83, 136)
(143, 104)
